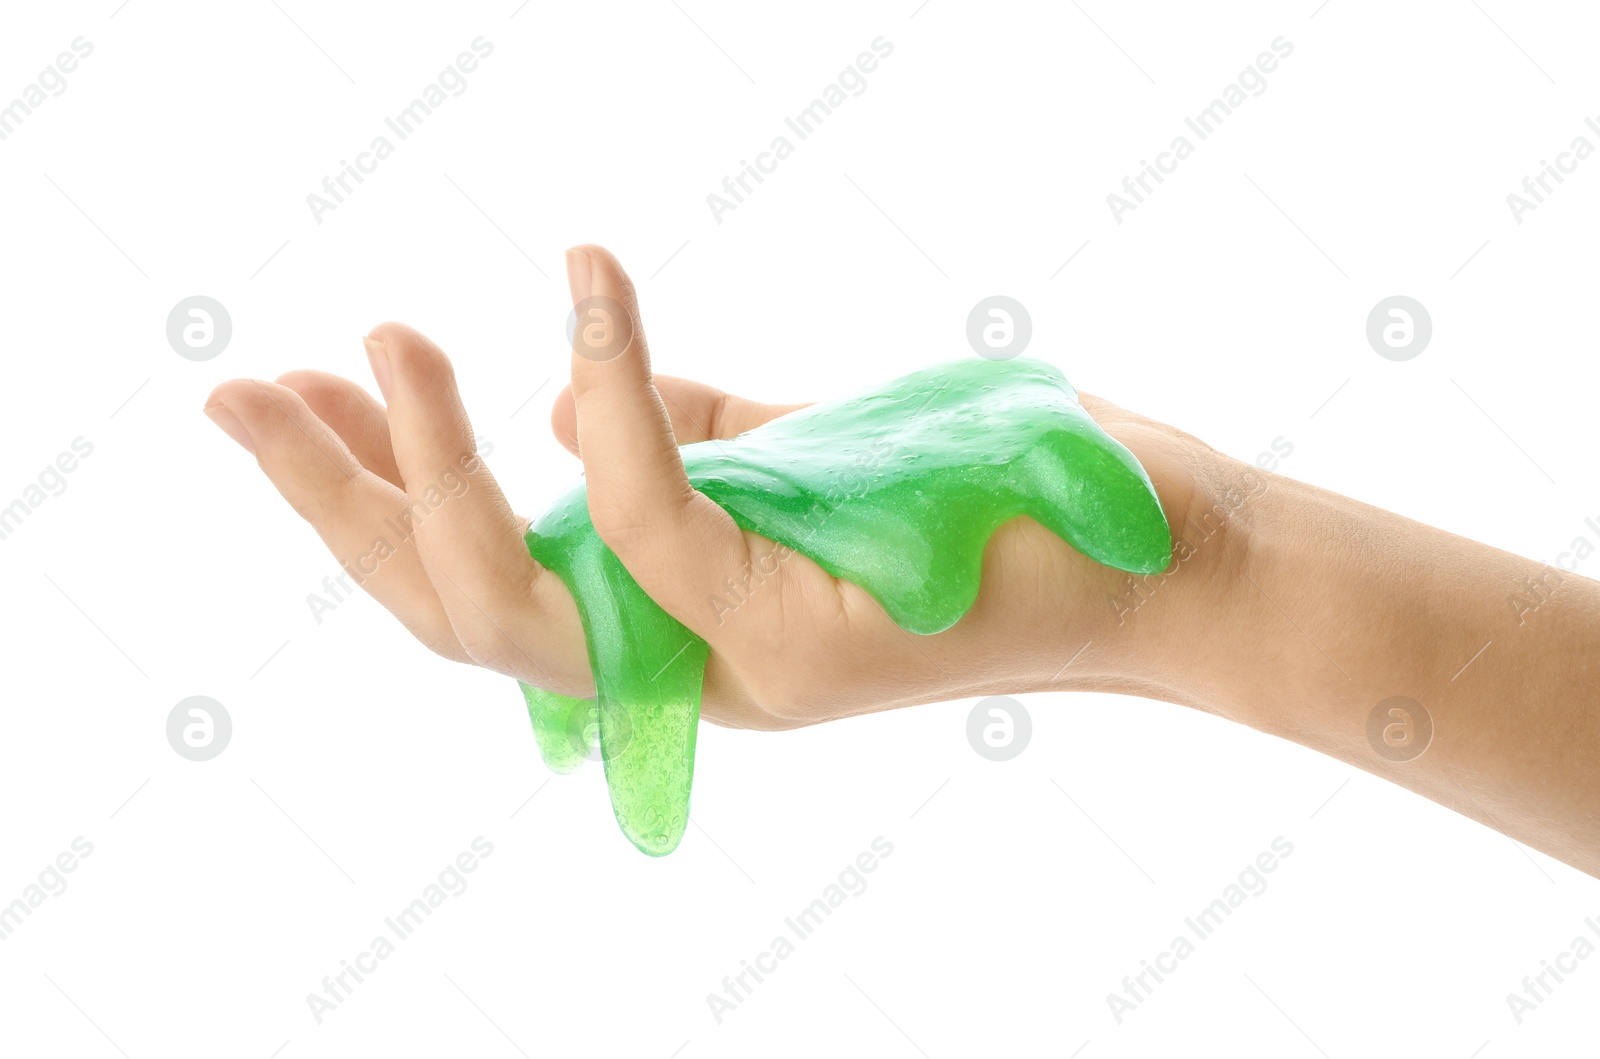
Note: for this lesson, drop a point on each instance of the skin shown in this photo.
(1291, 609)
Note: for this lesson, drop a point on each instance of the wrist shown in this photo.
(1164, 635)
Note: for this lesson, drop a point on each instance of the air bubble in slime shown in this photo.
(896, 489)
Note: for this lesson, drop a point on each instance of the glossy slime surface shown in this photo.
(896, 489)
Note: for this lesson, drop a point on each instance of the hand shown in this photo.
(805, 647)
(1287, 608)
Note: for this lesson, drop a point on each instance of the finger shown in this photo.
(698, 412)
(354, 414)
(675, 541)
(356, 513)
(508, 613)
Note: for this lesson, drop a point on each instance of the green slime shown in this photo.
(896, 489)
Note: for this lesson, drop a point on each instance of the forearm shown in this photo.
(1338, 606)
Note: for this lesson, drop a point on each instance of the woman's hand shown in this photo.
(1302, 613)
(803, 647)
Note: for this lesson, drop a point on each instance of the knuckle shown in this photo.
(717, 416)
(313, 386)
(447, 648)
(490, 652)
(326, 395)
(623, 527)
(255, 405)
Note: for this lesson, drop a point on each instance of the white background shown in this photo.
(1232, 303)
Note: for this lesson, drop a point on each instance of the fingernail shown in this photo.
(580, 275)
(378, 357)
(231, 426)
